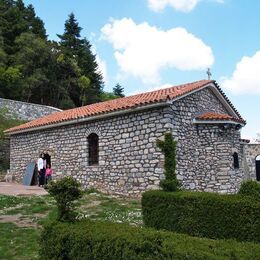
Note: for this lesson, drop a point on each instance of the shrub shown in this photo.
(168, 147)
(65, 191)
(106, 240)
(250, 188)
(203, 214)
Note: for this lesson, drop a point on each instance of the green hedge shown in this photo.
(106, 240)
(203, 214)
(250, 188)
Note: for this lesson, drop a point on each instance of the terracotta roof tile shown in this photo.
(218, 117)
(115, 105)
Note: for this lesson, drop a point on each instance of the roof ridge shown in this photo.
(119, 104)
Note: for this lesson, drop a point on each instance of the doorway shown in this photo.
(47, 158)
(257, 167)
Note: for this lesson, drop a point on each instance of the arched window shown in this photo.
(93, 149)
(257, 167)
(235, 160)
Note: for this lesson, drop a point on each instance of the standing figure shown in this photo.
(48, 174)
(41, 170)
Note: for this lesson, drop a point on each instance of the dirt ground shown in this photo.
(16, 189)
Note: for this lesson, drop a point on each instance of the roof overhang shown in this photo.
(222, 122)
(215, 89)
(91, 118)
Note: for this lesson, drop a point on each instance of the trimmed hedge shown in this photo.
(106, 240)
(203, 214)
(250, 188)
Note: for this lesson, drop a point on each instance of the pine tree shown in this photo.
(118, 90)
(70, 39)
(79, 49)
(35, 24)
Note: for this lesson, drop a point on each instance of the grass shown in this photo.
(19, 236)
(18, 243)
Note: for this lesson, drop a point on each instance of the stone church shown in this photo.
(111, 145)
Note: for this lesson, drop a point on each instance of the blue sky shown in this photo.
(145, 44)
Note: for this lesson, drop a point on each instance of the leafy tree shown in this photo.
(65, 191)
(118, 90)
(84, 84)
(62, 74)
(168, 147)
(33, 58)
(105, 96)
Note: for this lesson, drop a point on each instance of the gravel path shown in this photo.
(20, 190)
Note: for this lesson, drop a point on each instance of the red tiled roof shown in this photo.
(110, 106)
(219, 117)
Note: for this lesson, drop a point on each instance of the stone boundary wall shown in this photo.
(4, 153)
(250, 152)
(26, 111)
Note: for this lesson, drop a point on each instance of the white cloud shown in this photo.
(142, 50)
(102, 65)
(246, 78)
(166, 85)
(179, 5)
(102, 68)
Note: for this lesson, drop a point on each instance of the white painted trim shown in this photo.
(92, 118)
(197, 121)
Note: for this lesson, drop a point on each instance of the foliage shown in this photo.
(203, 214)
(65, 191)
(107, 240)
(7, 121)
(168, 147)
(250, 188)
(118, 90)
(105, 96)
(85, 87)
(34, 69)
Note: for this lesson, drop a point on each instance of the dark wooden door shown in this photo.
(257, 167)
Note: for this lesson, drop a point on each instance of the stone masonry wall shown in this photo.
(26, 111)
(129, 161)
(204, 153)
(250, 152)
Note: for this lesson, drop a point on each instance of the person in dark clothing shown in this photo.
(41, 170)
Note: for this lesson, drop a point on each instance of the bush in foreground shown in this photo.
(203, 214)
(65, 191)
(106, 240)
(250, 188)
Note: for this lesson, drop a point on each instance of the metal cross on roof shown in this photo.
(209, 73)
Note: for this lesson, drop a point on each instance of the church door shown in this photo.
(257, 167)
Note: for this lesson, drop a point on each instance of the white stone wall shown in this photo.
(129, 161)
(250, 152)
(26, 111)
(204, 153)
